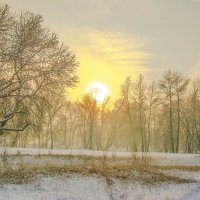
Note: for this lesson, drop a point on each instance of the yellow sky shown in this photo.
(105, 57)
(109, 37)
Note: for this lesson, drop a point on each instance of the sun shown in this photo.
(99, 91)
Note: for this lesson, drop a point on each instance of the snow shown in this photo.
(160, 158)
(93, 187)
(194, 194)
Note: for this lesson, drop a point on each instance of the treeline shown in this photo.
(162, 116)
(35, 72)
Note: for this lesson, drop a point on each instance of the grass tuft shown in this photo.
(141, 169)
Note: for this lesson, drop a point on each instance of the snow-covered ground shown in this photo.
(94, 188)
(78, 187)
(161, 158)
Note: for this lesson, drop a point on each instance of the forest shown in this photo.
(36, 71)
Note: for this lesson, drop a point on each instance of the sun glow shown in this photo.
(99, 91)
(106, 57)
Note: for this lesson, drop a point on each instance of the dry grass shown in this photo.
(180, 167)
(141, 169)
(19, 175)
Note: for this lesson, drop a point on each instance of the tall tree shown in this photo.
(166, 86)
(31, 60)
(180, 87)
(195, 97)
(173, 85)
(126, 104)
(153, 101)
(89, 110)
(139, 96)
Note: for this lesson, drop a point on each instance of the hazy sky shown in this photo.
(116, 38)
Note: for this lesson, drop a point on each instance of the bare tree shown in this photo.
(180, 85)
(70, 122)
(153, 99)
(31, 60)
(89, 109)
(173, 85)
(139, 96)
(126, 104)
(188, 124)
(166, 86)
(55, 103)
(195, 110)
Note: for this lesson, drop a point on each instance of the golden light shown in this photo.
(99, 91)
(108, 56)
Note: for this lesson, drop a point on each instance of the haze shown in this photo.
(113, 39)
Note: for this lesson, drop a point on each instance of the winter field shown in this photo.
(43, 174)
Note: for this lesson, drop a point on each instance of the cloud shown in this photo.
(106, 57)
(116, 48)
